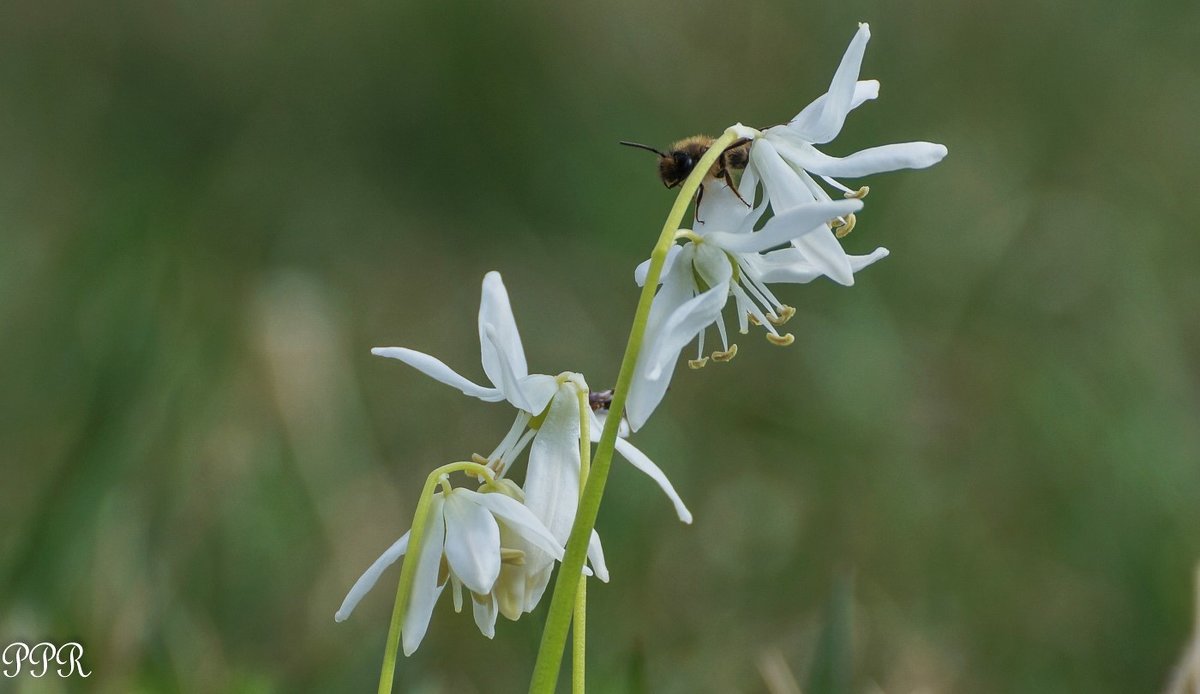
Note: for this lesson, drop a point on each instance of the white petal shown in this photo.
(485, 614)
(905, 155)
(519, 519)
(536, 390)
(643, 268)
(682, 326)
(425, 588)
(805, 121)
(595, 555)
(367, 581)
(678, 287)
(783, 186)
(535, 586)
(505, 345)
(720, 209)
(456, 593)
(790, 265)
(524, 392)
(785, 227)
(552, 479)
(434, 368)
(472, 542)
(640, 461)
(841, 92)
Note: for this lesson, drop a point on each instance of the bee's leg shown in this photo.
(699, 197)
(732, 186)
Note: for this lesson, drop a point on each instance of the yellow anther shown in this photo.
(841, 230)
(753, 321)
(515, 557)
(476, 458)
(858, 194)
(785, 314)
(727, 355)
(781, 340)
(698, 363)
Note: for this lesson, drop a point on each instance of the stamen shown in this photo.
(689, 235)
(698, 364)
(515, 557)
(727, 355)
(785, 314)
(781, 340)
(754, 321)
(476, 458)
(843, 229)
(857, 194)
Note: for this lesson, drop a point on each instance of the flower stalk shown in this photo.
(408, 570)
(579, 620)
(567, 583)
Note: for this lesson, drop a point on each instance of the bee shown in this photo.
(675, 164)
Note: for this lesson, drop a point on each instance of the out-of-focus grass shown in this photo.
(209, 213)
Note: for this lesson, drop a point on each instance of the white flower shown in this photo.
(722, 258)
(464, 530)
(501, 352)
(785, 160)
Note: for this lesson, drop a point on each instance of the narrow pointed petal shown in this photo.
(642, 462)
(805, 122)
(677, 288)
(519, 519)
(456, 593)
(472, 542)
(682, 327)
(785, 227)
(595, 556)
(905, 155)
(791, 266)
(535, 586)
(485, 613)
(425, 588)
(537, 390)
(367, 581)
(435, 369)
(495, 314)
(523, 392)
(721, 209)
(839, 99)
(552, 478)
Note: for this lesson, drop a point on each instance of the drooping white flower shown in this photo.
(464, 531)
(501, 352)
(722, 258)
(784, 158)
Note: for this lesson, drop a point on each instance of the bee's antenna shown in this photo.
(641, 146)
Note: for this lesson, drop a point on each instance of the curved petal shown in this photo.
(505, 346)
(425, 588)
(552, 478)
(535, 586)
(905, 155)
(722, 210)
(537, 390)
(791, 266)
(832, 114)
(805, 122)
(681, 327)
(519, 519)
(472, 542)
(527, 393)
(595, 555)
(785, 227)
(484, 609)
(437, 370)
(640, 461)
(370, 577)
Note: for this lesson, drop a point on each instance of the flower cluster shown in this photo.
(778, 226)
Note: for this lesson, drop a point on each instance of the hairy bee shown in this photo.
(675, 164)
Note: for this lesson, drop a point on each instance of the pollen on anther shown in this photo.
(514, 557)
(858, 194)
(785, 314)
(781, 340)
(697, 364)
(476, 458)
(727, 355)
(843, 229)
(753, 320)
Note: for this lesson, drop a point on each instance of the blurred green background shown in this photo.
(209, 212)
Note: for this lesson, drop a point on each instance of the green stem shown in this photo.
(558, 621)
(416, 538)
(579, 620)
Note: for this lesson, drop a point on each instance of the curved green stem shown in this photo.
(558, 621)
(579, 620)
(416, 538)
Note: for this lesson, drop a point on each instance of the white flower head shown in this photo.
(784, 158)
(462, 545)
(724, 257)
